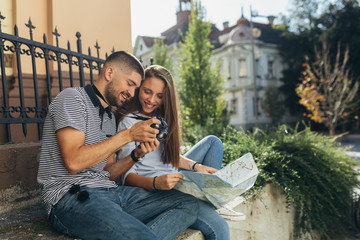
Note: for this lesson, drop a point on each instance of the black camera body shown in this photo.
(163, 129)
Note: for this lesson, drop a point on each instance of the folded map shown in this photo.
(223, 186)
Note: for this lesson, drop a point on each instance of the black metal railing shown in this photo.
(42, 57)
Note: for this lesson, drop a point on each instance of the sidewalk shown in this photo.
(31, 223)
(353, 141)
(28, 223)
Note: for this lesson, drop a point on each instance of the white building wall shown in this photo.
(238, 87)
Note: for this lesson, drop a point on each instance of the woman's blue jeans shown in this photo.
(209, 151)
(124, 213)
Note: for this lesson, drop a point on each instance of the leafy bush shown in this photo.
(193, 134)
(313, 170)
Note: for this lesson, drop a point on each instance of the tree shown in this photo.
(327, 90)
(337, 21)
(273, 104)
(303, 14)
(200, 84)
(160, 54)
(342, 23)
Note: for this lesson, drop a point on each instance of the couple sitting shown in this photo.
(78, 163)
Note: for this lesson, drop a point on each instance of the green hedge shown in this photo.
(313, 170)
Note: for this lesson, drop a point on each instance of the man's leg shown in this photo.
(100, 217)
(166, 213)
(208, 151)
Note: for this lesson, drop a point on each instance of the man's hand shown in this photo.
(204, 169)
(167, 181)
(143, 132)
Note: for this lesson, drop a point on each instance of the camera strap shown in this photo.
(98, 93)
(138, 117)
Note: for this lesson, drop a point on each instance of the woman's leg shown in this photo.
(211, 224)
(209, 151)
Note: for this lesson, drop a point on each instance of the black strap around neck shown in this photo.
(101, 108)
(98, 93)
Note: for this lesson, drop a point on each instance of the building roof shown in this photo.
(173, 34)
(268, 33)
(149, 41)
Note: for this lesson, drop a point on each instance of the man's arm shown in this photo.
(116, 169)
(77, 156)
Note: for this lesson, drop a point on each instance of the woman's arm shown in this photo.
(163, 182)
(188, 164)
(120, 167)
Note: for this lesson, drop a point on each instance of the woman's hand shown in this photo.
(146, 147)
(204, 169)
(167, 181)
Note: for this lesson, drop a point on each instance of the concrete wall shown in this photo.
(266, 218)
(18, 170)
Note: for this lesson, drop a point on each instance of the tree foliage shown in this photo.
(313, 170)
(200, 85)
(161, 57)
(327, 90)
(303, 14)
(335, 21)
(273, 104)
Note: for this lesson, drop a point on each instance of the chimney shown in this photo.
(182, 16)
(226, 24)
(271, 19)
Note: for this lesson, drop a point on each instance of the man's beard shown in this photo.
(110, 97)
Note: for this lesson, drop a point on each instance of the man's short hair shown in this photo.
(124, 62)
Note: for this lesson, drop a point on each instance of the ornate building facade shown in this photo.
(251, 62)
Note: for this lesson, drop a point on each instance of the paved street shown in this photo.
(353, 141)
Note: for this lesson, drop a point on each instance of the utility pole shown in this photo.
(270, 19)
(253, 69)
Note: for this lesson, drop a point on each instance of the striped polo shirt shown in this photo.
(80, 109)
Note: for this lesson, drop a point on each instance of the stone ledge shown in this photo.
(190, 234)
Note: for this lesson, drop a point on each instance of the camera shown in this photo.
(163, 129)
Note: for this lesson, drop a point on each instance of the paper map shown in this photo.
(224, 185)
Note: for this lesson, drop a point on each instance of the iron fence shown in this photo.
(42, 56)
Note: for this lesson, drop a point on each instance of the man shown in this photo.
(77, 165)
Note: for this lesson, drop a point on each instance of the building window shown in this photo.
(234, 107)
(257, 68)
(229, 70)
(270, 73)
(141, 47)
(258, 106)
(242, 68)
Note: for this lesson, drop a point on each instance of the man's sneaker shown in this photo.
(230, 214)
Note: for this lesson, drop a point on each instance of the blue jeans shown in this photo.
(209, 151)
(124, 213)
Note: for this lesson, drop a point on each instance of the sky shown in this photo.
(152, 17)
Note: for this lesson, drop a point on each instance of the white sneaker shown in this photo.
(235, 202)
(230, 214)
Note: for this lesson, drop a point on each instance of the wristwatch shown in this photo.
(134, 158)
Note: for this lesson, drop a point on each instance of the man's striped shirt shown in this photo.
(77, 108)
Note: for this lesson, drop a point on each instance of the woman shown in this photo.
(158, 169)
